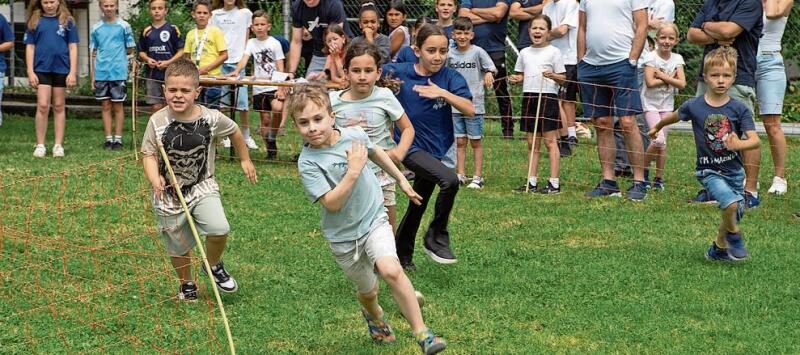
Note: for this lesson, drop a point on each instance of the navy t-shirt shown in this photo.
(283, 41)
(6, 35)
(489, 36)
(406, 55)
(316, 19)
(52, 40)
(524, 38)
(710, 125)
(748, 14)
(160, 43)
(432, 119)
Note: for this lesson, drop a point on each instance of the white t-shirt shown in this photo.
(662, 98)
(265, 56)
(532, 62)
(609, 29)
(234, 25)
(565, 12)
(661, 9)
(773, 33)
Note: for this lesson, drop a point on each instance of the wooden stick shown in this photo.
(174, 182)
(134, 70)
(535, 129)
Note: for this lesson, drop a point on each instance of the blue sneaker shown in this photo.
(736, 248)
(751, 201)
(715, 253)
(638, 191)
(605, 188)
(703, 197)
(658, 184)
(431, 344)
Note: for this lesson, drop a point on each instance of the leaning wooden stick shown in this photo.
(535, 129)
(177, 187)
(135, 71)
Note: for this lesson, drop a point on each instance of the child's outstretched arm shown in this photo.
(334, 200)
(378, 156)
(397, 154)
(672, 118)
(733, 143)
(432, 91)
(244, 156)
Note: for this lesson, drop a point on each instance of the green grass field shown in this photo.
(82, 268)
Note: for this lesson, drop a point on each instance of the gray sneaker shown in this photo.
(638, 191)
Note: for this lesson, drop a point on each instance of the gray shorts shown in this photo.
(209, 219)
(155, 92)
(357, 258)
(317, 65)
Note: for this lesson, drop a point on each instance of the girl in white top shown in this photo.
(771, 85)
(540, 68)
(394, 26)
(663, 76)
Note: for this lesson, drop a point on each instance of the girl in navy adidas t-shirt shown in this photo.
(428, 92)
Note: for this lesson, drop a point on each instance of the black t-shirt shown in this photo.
(316, 19)
(748, 14)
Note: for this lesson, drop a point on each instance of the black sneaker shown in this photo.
(441, 255)
(117, 145)
(408, 265)
(638, 191)
(224, 281)
(272, 149)
(187, 292)
(522, 189)
(605, 188)
(550, 189)
(564, 149)
(108, 145)
(573, 142)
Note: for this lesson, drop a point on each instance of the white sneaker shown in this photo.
(226, 142)
(778, 186)
(40, 151)
(475, 184)
(58, 151)
(250, 143)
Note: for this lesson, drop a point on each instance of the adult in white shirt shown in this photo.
(611, 35)
(564, 36)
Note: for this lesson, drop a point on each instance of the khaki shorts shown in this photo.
(357, 258)
(209, 219)
(388, 187)
(741, 93)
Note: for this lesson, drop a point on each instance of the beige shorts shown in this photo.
(357, 258)
(209, 219)
(388, 187)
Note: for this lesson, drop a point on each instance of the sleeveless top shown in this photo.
(773, 32)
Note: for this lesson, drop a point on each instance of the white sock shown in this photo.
(118, 139)
(246, 132)
(571, 131)
(109, 138)
(532, 180)
(554, 182)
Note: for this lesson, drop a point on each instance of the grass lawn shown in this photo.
(83, 269)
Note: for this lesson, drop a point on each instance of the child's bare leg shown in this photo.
(369, 301)
(402, 290)
(266, 124)
(215, 245)
(43, 94)
(551, 141)
(661, 161)
(461, 154)
(477, 152)
(59, 115)
(534, 166)
(728, 225)
(106, 116)
(119, 118)
(244, 117)
(183, 267)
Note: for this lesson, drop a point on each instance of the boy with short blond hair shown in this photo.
(723, 128)
(187, 132)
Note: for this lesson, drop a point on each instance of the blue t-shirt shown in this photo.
(710, 125)
(6, 35)
(489, 36)
(524, 37)
(432, 119)
(406, 55)
(52, 40)
(111, 41)
(283, 41)
(160, 43)
(748, 14)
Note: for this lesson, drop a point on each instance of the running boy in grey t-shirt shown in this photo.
(476, 66)
(333, 169)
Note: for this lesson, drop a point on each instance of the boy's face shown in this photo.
(315, 125)
(158, 9)
(719, 78)
(539, 32)
(109, 8)
(369, 19)
(463, 38)
(180, 93)
(201, 15)
(261, 26)
(445, 8)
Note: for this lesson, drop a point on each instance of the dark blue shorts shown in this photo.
(609, 90)
(113, 90)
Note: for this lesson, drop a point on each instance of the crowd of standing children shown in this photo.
(411, 93)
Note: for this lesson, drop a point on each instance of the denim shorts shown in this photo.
(210, 96)
(449, 158)
(470, 127)
(241, 93)
(770, 83)
(609, 90)
(113, 90)
(726, 188)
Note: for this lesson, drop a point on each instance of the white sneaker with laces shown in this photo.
(251, 143)
(58, 151)
(40, 151)
(475, 184)
(779, 186)
(226, 142)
